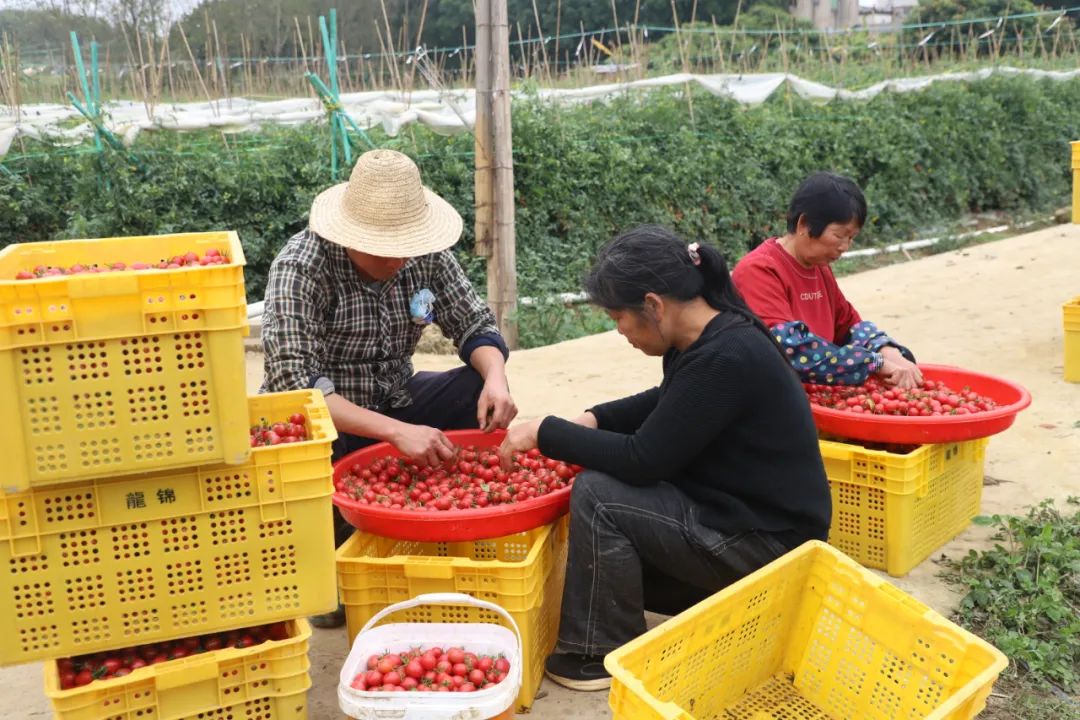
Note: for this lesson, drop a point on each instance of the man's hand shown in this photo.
(519, 438)
(898, 370)
(422, 444)
(495, 409)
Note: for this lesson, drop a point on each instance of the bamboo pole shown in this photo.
(348, 70)
(524, 50)
(9, 79)
(718, 45)
(208, 52)
(222, 64)
(615, 18)
(484, 173)
(543, 45)
(639, 41)
(168, 65)
(144, 66)
(383, 54)
(137, 86)
(198, 73)
(558, 29)
(466, 62)
(419, 39)
(685, 63)
(159, 74)
(311, 42)
(361, 69)
(735, 30)
(502, 270)
(394, 74)
(784, 59)
(245, 67)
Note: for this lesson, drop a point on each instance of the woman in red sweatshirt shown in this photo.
(787, 282)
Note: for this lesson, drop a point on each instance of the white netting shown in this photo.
(446, 112)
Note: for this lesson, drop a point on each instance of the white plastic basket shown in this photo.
(480, 638)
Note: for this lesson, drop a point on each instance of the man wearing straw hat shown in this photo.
(347, 300)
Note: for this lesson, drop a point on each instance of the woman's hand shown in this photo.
(898, 370)
(519, 438)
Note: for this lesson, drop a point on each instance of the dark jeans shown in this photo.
(642, 548)
(443, 400)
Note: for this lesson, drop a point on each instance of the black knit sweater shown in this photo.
(729, 425)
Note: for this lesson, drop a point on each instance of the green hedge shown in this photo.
(585, 172)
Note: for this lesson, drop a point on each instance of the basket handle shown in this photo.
(450, 599)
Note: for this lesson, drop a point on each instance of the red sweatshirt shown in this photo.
(779, 290)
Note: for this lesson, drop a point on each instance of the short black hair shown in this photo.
(825, 198)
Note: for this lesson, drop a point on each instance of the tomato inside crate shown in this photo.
(470, 498)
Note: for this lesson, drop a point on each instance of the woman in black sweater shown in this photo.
(693, 484)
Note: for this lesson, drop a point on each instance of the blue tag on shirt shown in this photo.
(422, 307)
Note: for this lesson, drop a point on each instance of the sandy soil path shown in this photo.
(994, 308)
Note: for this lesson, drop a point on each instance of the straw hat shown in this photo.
(384, 210)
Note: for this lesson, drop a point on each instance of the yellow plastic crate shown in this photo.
(527, 581)
(509, 571)
(891, 511)
(1071, 313)
(106, 564)
(811, 636)
(227, 683)
(119, 373)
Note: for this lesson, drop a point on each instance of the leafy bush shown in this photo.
(1024, 594)
(583, 173)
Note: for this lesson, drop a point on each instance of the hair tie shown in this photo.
(692, 251)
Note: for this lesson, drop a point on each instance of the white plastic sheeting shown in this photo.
(447, 112)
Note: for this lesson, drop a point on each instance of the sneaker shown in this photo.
(578, 672)
(332, 619)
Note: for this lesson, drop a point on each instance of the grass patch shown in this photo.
(1023, 596)
(553, 322)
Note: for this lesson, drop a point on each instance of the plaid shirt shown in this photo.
(321, 320)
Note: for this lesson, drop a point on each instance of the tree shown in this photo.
(269, 26)
(934, 11)
(141, 15)
(41, 31)
(447, 17)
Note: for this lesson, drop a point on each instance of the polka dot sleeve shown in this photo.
(818, 361)
(873, 338)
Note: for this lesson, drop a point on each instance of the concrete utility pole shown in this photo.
(494, 179)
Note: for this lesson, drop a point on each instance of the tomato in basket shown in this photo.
(431, 670)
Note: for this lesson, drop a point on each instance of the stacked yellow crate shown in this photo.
(1071, 316)
(522, 573)
(134, 510)
(891, 510)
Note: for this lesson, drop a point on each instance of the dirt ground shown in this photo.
(994, 308)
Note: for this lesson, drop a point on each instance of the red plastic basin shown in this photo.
(446, 525)
(1010, 397)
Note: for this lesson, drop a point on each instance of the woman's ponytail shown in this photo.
(720, 292)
